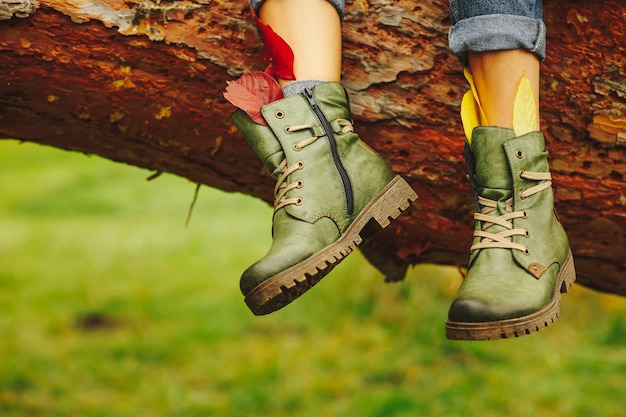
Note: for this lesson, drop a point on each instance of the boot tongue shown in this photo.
(493, 173)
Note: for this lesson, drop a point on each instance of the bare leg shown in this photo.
(497, 75)
(312, 28)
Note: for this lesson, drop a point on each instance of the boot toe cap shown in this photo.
(473, 310)
(268, 267)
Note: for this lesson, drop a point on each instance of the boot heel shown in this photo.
(568, 272)
(394, 199)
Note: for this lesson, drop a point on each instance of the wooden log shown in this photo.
(141, 82)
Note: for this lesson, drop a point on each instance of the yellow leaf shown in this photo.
(481, 113)
(472, 114)
(525, 118)
(469, 114)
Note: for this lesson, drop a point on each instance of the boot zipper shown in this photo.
(347, 185)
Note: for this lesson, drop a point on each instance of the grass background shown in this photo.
(109, 306)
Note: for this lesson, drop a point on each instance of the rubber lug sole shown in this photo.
(284, 287)
(521, 326)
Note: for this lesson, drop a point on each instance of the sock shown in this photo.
(298, 86)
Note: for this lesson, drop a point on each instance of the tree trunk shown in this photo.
(141, 83)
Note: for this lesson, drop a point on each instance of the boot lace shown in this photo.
(282, 188)
(502, 239)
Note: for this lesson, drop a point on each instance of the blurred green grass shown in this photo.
(109, 306)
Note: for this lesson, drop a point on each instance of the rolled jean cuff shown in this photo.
(339, 5)
(497, 32)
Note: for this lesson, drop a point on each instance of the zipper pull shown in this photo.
(308, 93)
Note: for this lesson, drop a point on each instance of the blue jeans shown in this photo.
(493, 25)
(488, 25)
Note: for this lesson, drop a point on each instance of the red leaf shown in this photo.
(253, 91)
(277, 51)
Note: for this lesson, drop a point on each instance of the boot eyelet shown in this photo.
(300, 184)
(527, 234)
(519, 153)
(522, 195)
(526, 252)
(288, 130)
(299, 202)
(300, 164)
(524, 214)
(279, 114)
(296, 147)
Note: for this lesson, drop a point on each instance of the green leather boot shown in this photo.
(332, 193)
(520, 259)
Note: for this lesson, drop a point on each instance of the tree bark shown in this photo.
(141, 83)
